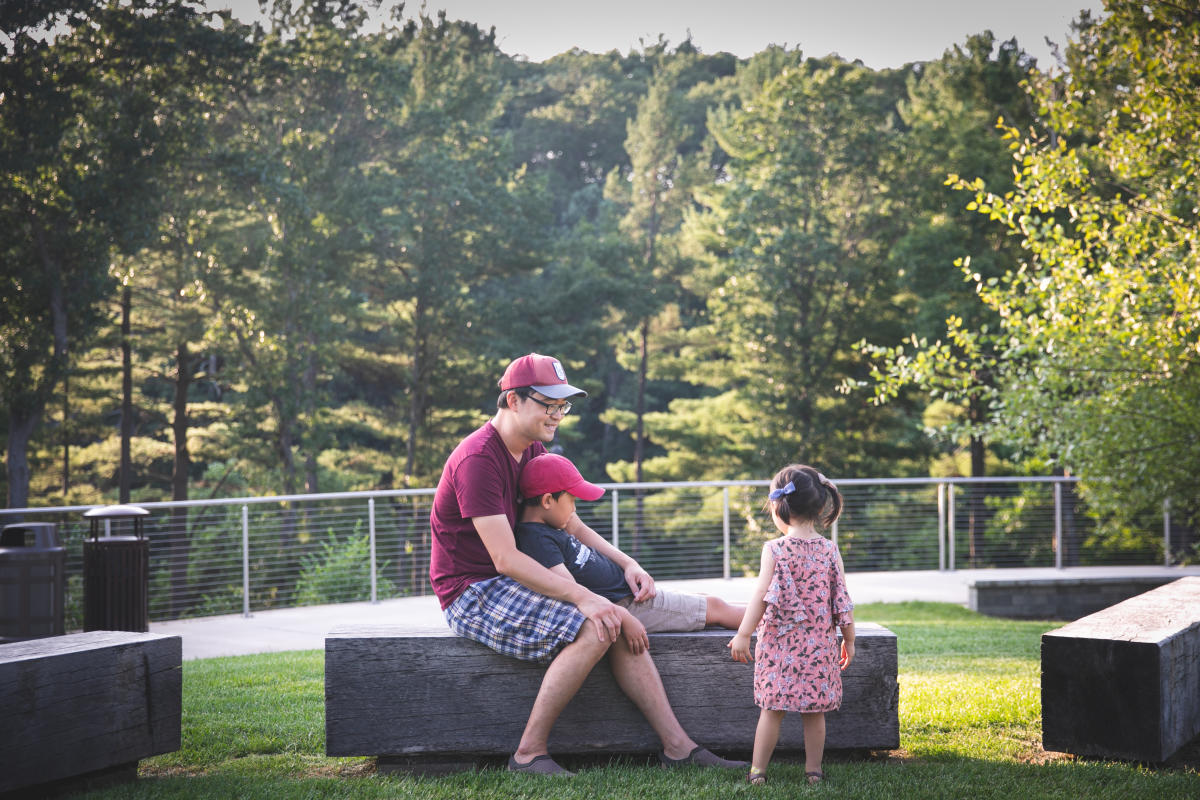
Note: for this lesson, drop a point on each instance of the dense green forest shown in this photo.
(296, 257)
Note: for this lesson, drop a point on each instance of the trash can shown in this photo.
(116, 570)
(32, 581)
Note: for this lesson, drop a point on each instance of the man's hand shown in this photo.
(640, 582)
(605, 615)
(634, 632)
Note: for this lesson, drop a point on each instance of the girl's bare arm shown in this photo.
(739, 645)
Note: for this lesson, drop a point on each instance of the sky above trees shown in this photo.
(882, 33)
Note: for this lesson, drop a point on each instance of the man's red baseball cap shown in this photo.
(550, 473)
(543, 373)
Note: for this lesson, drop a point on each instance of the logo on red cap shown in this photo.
(543, 373)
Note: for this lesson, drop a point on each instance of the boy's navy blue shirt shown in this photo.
(551, 547)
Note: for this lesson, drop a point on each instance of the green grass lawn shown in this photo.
(970, 727)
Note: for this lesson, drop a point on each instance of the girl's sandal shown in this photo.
(814, 777)
(756, 778)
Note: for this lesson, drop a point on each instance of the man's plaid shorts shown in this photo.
(514, 620)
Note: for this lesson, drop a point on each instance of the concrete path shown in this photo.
(305, 628)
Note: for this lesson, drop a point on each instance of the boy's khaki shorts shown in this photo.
(669, 612)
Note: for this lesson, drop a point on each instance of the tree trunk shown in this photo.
(66, 434)
(639, 442)
(179, 539)
(21, 423)
(417, 390)
(311, 485)
(126, 467)
(1071, 533)
(976, 511)
(23, 416)
(283, 443)
(179, 425)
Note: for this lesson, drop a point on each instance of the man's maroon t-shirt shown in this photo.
(479, 480)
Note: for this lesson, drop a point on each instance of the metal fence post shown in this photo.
(1058, 527)
(616, 519)
(1167, 532)
(941, 505)
(725, 522)
(245, 561)
(371, 528)
(950, 525)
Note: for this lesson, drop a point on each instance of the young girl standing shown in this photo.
(799, 599)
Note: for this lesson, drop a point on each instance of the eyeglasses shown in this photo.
(561, 409)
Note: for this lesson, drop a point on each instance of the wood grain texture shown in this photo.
(75, 704)
(389, 692)
(1125, 682)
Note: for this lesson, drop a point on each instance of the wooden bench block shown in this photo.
(1067, 598)
(87, 702)
(432, 696)
(1125, 682)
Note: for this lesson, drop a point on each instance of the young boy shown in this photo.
(549, 485)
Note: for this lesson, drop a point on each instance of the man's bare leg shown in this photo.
(639, 679)
(562, 680)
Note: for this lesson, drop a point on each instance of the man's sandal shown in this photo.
(814, 777)
(699, 757)
(756, 778)
(539, 765)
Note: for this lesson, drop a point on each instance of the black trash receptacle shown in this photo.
(32, 581)
(116, 571)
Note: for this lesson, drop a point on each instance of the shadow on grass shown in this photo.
(871, 775)
(881, 776)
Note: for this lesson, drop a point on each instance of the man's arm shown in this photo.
(497, 537)
(640, 582)
(631, 627)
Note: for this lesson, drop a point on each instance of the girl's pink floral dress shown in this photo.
(796, 658)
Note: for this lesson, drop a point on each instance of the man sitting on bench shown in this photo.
(494, 594)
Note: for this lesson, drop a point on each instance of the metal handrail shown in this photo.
(647, 485)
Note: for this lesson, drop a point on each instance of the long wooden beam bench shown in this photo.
(427, 700)
(1125, 682)
(86, 705)
(1060, 598)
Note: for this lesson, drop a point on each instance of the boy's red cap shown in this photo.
(542, 373)
(550, 473)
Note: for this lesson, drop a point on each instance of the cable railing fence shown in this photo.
(241, 555)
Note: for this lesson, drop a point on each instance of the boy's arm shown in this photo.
(561, 569)
(634, 632)
(640, 582)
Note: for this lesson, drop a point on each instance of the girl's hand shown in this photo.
(739, 648)
(847, 654)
